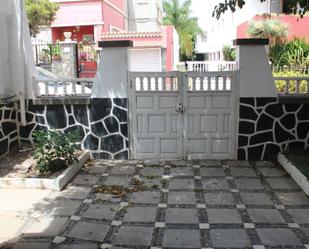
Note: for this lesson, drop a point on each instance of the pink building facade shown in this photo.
(88, 19)
(298, 27)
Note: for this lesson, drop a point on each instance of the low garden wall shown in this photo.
(8, 128)
(102, 125)
(267, 127)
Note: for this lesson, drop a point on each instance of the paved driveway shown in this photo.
(205, 204)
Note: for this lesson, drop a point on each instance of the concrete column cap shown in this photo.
(250, 42)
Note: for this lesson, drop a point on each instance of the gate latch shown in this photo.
(179, 107)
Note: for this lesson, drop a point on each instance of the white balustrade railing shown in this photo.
(292, 86)
(175, 81)
(209, 66)
(77, 87)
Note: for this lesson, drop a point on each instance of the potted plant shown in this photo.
(56, 51)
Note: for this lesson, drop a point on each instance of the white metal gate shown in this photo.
(176, 115)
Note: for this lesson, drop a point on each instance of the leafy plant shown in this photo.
(54, 150)
(40, 13)
(292, 55)
(298, 7)
(229, 53)
(52, 51)
(273, 29)
(178, 14)
(281, 84)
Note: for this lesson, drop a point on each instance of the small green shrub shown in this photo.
(229, 53)
(281, 84)
(274, 29)
(54, 150)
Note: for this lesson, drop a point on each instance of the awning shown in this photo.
(78, 14)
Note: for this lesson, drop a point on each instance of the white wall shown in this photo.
(16, 62)
(111, 78)
(223, 31)
(255, 75)
(145, 15)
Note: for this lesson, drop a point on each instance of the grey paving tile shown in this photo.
(182, 238)
(181, 198)
(265, 164)
(238, 171)
(97, 169)
(220, 184)
(74, 192)
(181, 184)
(181, 215)
(277, 237)
(107, 197)
(223, 216)
(89, 231)
(31, 245)
(123, 170)
(134, 236)
(298, 198)
(300, 216)
(265, 216)
(246, 183)
(182, 171)
(256, 199)
(282, 183)
(306, 231)
(152, 183)
(59, 207)
(47, 226)
(79, 246)
(140, 214)
(100, 211)
(210, 163)
(85, 179)
(219, 198)
(145, 197)
(267, 172)
(118, 180)
(212, 172)
(152, 171)
(226, 238)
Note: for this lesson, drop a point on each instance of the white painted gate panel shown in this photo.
(209, 115)
(183, 115)
(156, 127)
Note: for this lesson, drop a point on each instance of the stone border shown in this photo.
(297, 176)
(43, 183)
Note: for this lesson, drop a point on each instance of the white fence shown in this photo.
(293, 86)
(207, 66)
(77, 87)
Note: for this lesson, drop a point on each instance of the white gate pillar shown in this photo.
(112, 76)
(255, 75)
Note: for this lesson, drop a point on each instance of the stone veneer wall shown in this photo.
(267, 127)
(8, 128)
(102, 125)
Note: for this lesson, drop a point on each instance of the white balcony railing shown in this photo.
(209, 66)
(292, 86)
(78, 87)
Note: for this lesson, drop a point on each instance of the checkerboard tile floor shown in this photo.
(189, 204)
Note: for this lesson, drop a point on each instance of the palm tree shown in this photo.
(179, 15)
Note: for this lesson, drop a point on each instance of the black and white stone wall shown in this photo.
(267, 127)
(8, 128)
(102, 125)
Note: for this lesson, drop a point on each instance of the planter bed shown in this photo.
(294, 164)
(54, 181)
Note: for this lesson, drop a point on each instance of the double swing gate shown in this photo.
(176, 115)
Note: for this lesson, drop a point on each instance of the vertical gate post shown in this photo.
(255, 76)
(112, 75)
